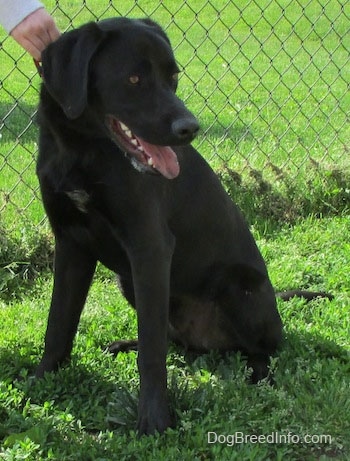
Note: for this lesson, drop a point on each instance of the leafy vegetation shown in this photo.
(92, 403)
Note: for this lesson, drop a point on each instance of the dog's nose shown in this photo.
(185, 128)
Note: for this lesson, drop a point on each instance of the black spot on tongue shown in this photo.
(163, 159)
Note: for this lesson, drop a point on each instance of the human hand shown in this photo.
(36, 32)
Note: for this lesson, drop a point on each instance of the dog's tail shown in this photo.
(307, 295)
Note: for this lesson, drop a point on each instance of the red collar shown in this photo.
(39, 68)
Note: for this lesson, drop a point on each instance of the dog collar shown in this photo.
(39, 67)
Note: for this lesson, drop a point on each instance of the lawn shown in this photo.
(269, 83)
(87, 411)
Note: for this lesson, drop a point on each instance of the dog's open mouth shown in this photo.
(144, 156)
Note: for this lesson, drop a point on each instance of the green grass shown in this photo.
(268, 82)
(276, 130)
(87, 411)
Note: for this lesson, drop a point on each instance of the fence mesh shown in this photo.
(267, 79)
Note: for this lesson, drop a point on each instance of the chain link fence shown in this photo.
(268, 81)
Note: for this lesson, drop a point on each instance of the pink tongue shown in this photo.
(164, 159)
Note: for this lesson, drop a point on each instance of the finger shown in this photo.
(53, 33)
(43, 38)
(31, 42)
(32, 49)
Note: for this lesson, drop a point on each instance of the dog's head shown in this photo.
(124, 72)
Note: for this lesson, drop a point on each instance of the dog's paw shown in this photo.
(50, 364)
(153, 419)
(260, 369)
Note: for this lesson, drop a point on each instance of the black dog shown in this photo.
(182, 250)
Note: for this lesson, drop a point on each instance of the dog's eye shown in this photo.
(134, 79)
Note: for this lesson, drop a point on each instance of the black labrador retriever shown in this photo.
(116, 192)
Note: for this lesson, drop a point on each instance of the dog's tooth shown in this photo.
(150, 161)
(123, 127)
(134, 142)
(128, 133)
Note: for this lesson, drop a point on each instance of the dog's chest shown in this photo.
(80, 199)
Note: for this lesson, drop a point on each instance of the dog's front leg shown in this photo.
(73, 273)
(151, 277)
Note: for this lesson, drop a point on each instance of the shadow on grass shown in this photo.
(204, 390)
(21, 261)
(18, 122)
(74, 380)
(268, 201)
(270, 204)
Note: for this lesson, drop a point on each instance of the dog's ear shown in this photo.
(157, 28)
(66, 67)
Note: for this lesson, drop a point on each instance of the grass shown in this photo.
(275, 128)
(87, 410)
(268, 82)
